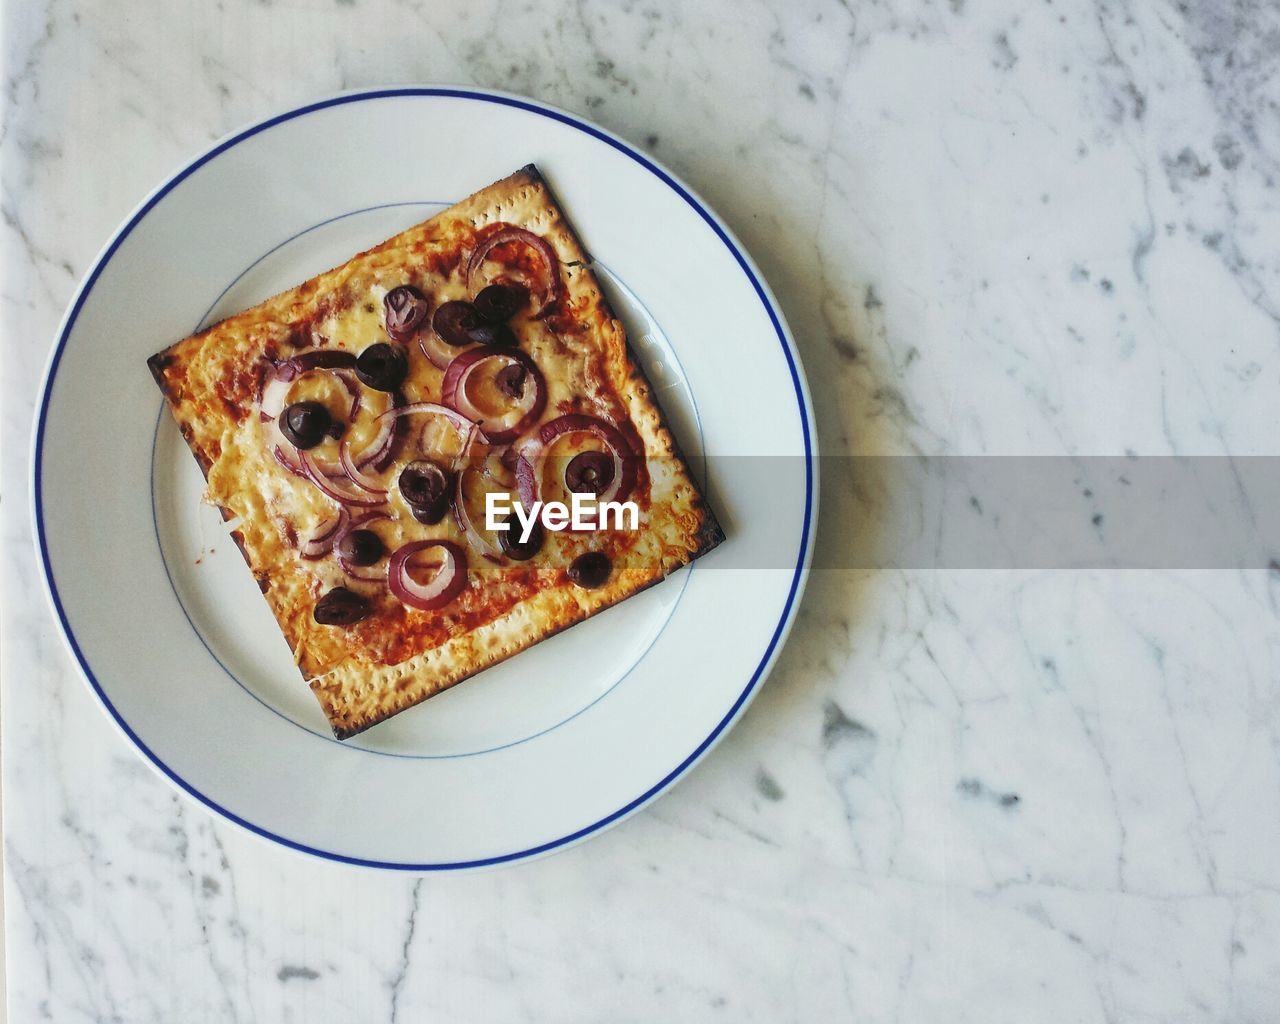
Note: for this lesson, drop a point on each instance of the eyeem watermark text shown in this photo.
(583, 512)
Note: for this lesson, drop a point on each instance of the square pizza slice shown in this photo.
(368, 430)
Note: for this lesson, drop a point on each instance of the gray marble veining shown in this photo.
(1044, 228)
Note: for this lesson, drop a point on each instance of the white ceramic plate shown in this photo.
(168, 626)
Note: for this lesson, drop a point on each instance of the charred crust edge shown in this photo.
(157, 364)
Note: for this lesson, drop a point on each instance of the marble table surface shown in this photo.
(965, 795)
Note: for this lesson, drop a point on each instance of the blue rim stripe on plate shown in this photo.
(483, 97)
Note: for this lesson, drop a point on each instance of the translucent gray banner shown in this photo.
(1006, 512)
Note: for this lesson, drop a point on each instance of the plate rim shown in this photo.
(746, 264)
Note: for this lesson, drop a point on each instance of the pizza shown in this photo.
(381, 438)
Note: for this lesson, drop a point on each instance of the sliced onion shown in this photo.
(522, 414)
(479, 539)
(464, 425)
(326, 535)
(496, 461)
(477, 445)
(275, 397)
(329, 487)
(495, 468)
(552, 286)
(437, 349)
(625, 472)
(479, 448)
(351, 382)
(275, 392)
(359, 522)
(403, 310)
(528, 456)
(531, 452)
(445, 585)
(378, 452)
(369, 574)
(356, 475)
(289, 456)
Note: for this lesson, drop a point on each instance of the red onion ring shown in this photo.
(361, 521)
(356, 475)
(478, 539)
(326, 535)
(528, 455)
(477, 444)
(531, 452)
(355, 571)
(373, 575)
(437, 350)
(625, 472)
(528, 469)
(378, 452)
(479, 448)
(552, 290)
(331, 488)
(499, 473)
(464, 425)
(275, 396)
(275, 392)
(404, 308)
(447, 583)
(287, 455)
(286, 458)
(520, 417)
(349, 380)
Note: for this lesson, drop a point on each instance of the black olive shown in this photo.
(589, 473)
(341, 607)
(521, 550)
(495, 335)
(403, 310)
(382, 367)
(453, 321)
(497, 302)
(430, 514)
(425, 489)
(590, 570)
(423, 483)
(361, 547)
(305, 424)
(510, 380)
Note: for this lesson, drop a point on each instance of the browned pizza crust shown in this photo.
(400, 656)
